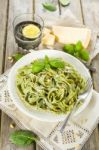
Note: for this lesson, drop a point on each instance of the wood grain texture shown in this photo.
(75, 8)
(96, 75)
(90, 10)
(15, 8)
(90, 144)
(5, 133)
(3, 22)
(38, 147)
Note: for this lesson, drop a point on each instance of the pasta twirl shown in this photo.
(52, 89)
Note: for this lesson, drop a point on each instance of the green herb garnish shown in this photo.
(23, 138)
(39, 65)
(49, 6)
(64, 2)
(57, 63)
(69, 48)
(17, 56)
(84, 54)
(77, 50)
(78, 46)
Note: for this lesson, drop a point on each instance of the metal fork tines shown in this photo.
(81, 97)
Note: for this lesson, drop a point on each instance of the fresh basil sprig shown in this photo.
(49, 6)
(77, 50)
(39, 65)
(23, 138)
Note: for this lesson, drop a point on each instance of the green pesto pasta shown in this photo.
(52, 89)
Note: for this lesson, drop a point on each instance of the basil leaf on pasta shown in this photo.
(38, 66)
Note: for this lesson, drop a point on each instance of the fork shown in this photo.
(81, 97)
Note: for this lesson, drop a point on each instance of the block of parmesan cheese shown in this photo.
(68, 35)
(48, 40)
(46, 31)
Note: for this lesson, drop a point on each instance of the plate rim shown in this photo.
(30, 114)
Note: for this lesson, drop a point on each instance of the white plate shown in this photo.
(27, 59)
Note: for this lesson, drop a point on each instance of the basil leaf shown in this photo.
(17, 56)
(84, 54)
(49, 6)
(69, 48)
(38, 66)
(23, 138)
(57, 63)
(78, 46)
(64, 2)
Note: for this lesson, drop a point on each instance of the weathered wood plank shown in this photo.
(15, 8)
(96, 75)
(3, 22)
(94, 140)
(5, 133)
(75, 8)
(38, 147)
(90, 144)
(90, 11)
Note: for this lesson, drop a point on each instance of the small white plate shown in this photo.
(27, 59)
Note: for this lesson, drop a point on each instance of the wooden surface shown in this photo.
(86, 11)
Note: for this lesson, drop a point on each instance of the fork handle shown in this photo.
(68, 117)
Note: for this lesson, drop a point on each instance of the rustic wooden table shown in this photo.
(87, 11)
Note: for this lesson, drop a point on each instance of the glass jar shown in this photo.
(24, 20)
